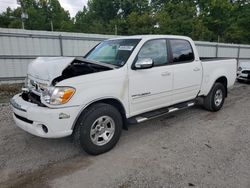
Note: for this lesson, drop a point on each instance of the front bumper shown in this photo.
(43, 121)
(243, 76)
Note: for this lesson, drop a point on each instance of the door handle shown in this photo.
(166, 73)
(196, 69)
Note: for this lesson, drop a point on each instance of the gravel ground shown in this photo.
(190, 148)
(9, 90)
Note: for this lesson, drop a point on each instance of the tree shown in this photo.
(217, 16)
(11, 18)
(82, 20)
(40, 14)
(172, 20)
(103, 10)
(210, 20)
(239, 30)
(139, 24)
(96, 18)
(131, 6)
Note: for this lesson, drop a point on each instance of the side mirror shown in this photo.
(144, 63)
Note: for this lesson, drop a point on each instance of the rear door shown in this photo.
(187, 72)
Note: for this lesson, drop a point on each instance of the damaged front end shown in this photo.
(45, 73)
(81, 66)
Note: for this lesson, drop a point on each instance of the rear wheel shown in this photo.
(215, 99)
(98, 128)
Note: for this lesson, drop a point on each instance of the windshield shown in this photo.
(114, 52)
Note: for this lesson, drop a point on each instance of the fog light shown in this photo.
(45, 129)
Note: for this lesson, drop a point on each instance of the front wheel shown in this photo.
(215, 99)
(99, 128)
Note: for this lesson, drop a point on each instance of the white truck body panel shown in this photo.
(187, 81)
(138, 91)
(47, 68)
(212, 70)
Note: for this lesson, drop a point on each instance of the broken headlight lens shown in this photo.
(57, 95)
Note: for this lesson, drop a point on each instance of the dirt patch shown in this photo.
(39, 177)
(9, 90)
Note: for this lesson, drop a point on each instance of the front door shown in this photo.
(151, 88)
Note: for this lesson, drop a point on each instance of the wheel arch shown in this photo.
(223, 80)
(111, 101)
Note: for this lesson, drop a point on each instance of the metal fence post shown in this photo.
(238, 55)
(61, 45)
(217, 49)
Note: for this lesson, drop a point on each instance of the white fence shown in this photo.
(19, 47)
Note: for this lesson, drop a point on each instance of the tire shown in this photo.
(216, 97)
(93, 124)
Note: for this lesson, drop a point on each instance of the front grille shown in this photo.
(33, 98)
(23, 119)
(246, 71)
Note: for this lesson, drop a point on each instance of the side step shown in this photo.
(160, 112)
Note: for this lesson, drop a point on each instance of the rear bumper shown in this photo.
(42, 121)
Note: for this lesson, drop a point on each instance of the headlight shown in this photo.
(57, 95)
(239, 68)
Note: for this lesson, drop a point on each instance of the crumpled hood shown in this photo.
(48, 68)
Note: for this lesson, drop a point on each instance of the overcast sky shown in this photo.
(71, 5)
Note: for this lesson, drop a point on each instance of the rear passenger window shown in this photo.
(156, 50)
(182, 51)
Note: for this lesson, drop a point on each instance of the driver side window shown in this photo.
(156, 50)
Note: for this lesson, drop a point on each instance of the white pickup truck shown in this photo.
(120, 81)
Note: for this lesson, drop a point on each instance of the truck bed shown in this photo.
(216, 68)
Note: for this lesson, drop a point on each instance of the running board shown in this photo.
(160, 112)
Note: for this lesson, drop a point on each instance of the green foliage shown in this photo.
(210, 20)
(176, 18)
(239, 30)
(41, 13)
(139, 23)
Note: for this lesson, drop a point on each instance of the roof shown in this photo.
(148, 37)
